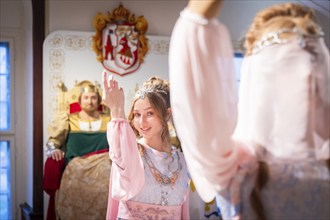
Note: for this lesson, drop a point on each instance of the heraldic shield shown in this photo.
(120, 43)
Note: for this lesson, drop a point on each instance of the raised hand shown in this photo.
(206, 8)
(113, 96)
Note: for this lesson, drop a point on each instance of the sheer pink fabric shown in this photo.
(284, 105)
(203, 64)
(127, 166)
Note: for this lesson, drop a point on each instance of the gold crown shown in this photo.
(121, 13)
(88, 88)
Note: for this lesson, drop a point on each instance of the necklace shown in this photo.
(159, 176)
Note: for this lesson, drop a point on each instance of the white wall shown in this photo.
(237, 15)
(15, 24)
(161, 15)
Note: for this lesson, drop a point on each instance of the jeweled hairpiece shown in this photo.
(143, 91)
(272, 38)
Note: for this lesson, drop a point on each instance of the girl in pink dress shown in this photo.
(266, 154)
(149, 178)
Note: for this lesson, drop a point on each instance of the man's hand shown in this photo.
(57, 154)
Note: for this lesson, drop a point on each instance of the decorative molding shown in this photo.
(59, 48)
(159, 47)
(59, 45)
(75, 42)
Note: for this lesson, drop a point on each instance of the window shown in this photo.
(4, 86)
(238, 58)
(6, 132)
(5, 195)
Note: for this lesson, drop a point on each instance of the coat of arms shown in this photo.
(120, 43)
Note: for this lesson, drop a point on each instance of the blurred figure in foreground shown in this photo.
(266, 156)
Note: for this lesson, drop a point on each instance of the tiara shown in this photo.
(272, 38)
(143, 91)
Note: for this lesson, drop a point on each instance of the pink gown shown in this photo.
(281, 118)
(133, 192)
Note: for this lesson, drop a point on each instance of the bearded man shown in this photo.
(78, 147)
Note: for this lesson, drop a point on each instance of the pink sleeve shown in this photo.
(113, 205)
(127, 172)
(185, 207)
(204, 103)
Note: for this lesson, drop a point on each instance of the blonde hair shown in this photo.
(287, 16)
(280, 16)
(157, 91)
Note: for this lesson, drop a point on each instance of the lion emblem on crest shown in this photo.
(120, 43)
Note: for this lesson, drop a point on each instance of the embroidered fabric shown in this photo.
(90, 126)
(159, 176)
(149, 211)
(156, 193)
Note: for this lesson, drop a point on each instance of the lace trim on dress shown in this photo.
(186, 13)
(139, 210)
